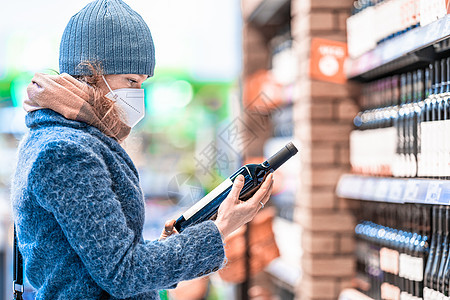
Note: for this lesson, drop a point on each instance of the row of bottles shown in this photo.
(375, 21)
(401, 131)
(393, 251)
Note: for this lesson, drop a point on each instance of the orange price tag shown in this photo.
(327, 60)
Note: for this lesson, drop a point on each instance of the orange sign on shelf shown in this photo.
(327, 60)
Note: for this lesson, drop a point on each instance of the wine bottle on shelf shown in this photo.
(405, 251)
(428, 285)
(421, 130)
(445, 280)
(436, 104)
(414, 120)
(438, 254)
(418, 115)
(445, 94)
(425, 124)
(399, 125)
(388, 261)
(420, 250)
(441, 134)
(443, 269)
(424, 247)
(400, 212)
(412, 258)
(254, 175)
(410, 164)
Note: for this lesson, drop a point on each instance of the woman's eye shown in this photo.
(132, 81)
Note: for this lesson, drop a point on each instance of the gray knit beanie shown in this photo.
(109, 33)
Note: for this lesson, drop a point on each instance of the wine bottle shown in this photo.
(422, 154)
(431, 256)
(254, 175)
(424, 246)
(436, 104)
(443, 269)
(418, 254)
(418, 110)
(446, 101)
(426, 131)
(438, 253)
(411, 78)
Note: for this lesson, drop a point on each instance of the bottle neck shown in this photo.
(437, 78)
(445, 221)
(443, 77)
(428, 82)
(419, 85)
(434, 221)
(448, 74)
(439, 221)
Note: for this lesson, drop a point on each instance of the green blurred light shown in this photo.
(169, 96)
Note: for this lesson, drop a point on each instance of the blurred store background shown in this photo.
(234, 82)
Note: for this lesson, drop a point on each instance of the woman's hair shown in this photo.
(108, 113)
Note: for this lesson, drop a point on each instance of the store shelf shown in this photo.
(394, 190)
(352, 294)
(411, 47)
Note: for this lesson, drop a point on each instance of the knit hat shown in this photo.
(109, 33)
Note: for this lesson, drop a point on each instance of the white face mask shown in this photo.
(130, 101)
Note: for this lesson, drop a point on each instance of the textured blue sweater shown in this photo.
(79, 212)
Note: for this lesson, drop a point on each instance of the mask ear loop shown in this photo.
(114, 94)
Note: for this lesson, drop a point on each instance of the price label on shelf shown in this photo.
(355, 191)
(445, 193)
(381, 190)
(368, 189)
(396, 191)
(433, 192)
(411, 191)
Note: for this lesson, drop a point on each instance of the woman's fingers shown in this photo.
(237, 187)
(168, 229)
(267, 195)
(263, 193)
(168, 226)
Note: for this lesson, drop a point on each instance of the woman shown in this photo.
(78, 207)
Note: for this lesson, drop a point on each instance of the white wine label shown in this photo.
(389, 260)
(416, 269)
(446, 161)
(208, 198)
(426, 293)
(403, 265)
(404, 296)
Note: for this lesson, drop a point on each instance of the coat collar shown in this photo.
(48, 118)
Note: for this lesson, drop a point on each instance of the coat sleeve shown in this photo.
(73, 184)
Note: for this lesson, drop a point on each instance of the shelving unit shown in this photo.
(417, 46)
(399, 58)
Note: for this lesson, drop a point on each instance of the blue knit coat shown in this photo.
(79, 212)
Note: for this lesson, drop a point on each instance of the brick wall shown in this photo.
(323, 114)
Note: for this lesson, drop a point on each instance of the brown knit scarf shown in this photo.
(74, 100)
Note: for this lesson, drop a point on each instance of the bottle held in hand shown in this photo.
(254, 175)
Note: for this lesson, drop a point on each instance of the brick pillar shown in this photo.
(323, 114)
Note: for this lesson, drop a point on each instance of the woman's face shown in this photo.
(121, 81)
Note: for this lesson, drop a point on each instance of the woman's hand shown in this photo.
(233, 213)
(168, 230)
